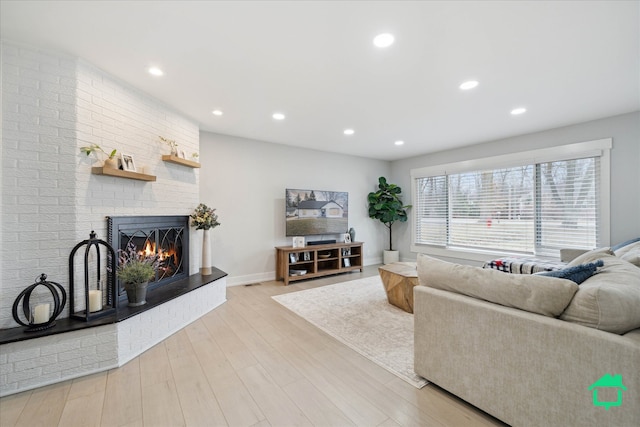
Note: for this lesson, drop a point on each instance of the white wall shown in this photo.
(625, 167)
(246, 181)
(51, 106)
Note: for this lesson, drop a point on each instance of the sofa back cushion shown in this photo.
(538, 294)
(608, 300)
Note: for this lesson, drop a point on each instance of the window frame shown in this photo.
(595, 148)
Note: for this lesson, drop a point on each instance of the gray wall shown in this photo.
(246, 180)
(625, 168)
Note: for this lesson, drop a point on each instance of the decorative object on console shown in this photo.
(386, 206)
(298, 242)
(135, 270)
(40, 317)
(110, 162)
(205, 218)
(99, 300)
(352, 233)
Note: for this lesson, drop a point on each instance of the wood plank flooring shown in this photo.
(250, 362)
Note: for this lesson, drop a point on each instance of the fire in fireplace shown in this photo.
(165, 236)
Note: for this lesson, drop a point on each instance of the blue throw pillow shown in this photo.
(577, 273)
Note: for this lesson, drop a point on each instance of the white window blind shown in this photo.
(536, 208)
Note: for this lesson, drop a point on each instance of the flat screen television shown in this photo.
(316, 212)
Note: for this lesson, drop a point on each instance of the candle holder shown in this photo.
(101, 300)
(35, 316)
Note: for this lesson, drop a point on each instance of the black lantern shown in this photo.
(99, 300)
(40, 317)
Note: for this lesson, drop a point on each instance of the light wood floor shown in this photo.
(250, 362)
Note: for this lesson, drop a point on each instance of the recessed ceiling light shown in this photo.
(399, 143)
(216, 112)
(383, 40)
(155, 71)
(517, 111)
(278, 116)
(469, 85)
(349, 131)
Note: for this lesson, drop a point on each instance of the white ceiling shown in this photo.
(566, 62)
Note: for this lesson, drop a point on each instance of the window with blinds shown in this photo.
(535, 208)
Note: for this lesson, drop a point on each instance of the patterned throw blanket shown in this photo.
(519, 265)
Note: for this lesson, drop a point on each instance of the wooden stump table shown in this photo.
(399, 279)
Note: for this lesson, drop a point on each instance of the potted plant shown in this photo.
(110, 161)
(386, 206)
(135, 270)
(173, 145)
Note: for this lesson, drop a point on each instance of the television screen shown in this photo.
(316, 212)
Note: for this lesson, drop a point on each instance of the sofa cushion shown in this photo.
(609, 300)
(590, 256)
(538, 294)
(577, 273)
(630, 253)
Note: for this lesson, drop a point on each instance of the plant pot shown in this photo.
(111, 163)
(389, 257)
(136, 293)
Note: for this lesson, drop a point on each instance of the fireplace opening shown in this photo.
(164, 236)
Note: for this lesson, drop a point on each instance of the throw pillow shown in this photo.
(620, 246)
(629, 252)
(590, 256)
(577, 273)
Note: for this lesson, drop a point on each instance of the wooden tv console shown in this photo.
(317, 260)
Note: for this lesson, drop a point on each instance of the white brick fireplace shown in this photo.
(51, 106)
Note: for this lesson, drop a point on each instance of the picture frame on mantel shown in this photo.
(127, 162)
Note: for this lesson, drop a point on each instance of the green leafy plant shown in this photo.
(386, 205)
(136, 268)
(204, 218)
(95, 148)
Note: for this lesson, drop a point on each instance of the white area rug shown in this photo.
(357, 314)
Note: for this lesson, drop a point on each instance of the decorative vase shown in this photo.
(136, 293)
(352, 233)
(205, 268)
(111, 163)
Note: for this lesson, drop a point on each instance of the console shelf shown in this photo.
(98, 170)
(180, 161)
(294, 264)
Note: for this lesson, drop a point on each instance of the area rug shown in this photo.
(357, 314)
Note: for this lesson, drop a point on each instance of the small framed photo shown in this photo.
(346, 251)
(347, 238)
(306, 256)
(127, 162)
(298, 242)
(347, 262)
(293, 258)
(182, 154)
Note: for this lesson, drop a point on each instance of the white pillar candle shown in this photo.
(41, 313)
(95, 301)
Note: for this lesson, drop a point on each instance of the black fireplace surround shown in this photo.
(164, 236)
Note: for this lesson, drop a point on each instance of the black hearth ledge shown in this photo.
(156, 298)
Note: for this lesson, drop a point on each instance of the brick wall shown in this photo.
(51, 106)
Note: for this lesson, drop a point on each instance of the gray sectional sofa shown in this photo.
(505, 343)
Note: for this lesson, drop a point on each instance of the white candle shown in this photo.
(95, 301)
(41, 313)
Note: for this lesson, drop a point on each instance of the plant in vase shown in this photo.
(386, 206)
(205, 218)
(173, 145)
(135, 270)
(109, 162)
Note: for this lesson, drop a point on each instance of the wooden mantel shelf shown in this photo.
(180, 161)
(98, 170)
